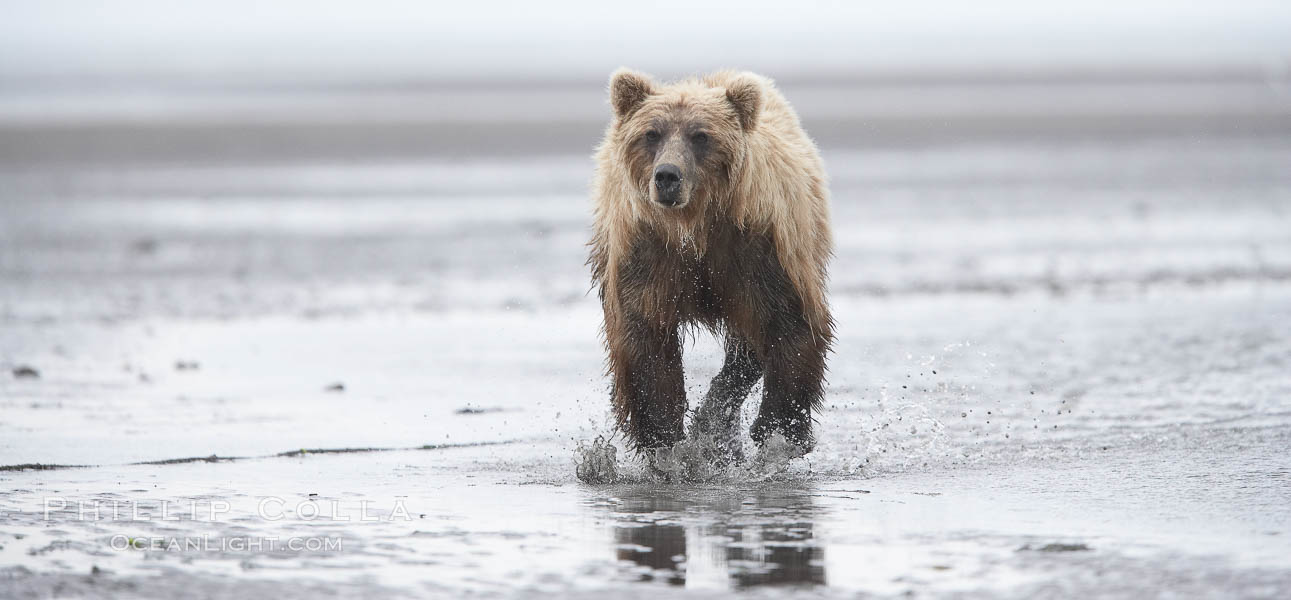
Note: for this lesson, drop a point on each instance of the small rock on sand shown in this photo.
(1056, 547)
(25, 372)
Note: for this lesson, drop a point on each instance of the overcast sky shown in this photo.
(375, 40)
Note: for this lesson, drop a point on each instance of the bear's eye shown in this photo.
(652, 136)
(699, 139)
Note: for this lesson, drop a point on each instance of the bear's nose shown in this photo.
(667, 177)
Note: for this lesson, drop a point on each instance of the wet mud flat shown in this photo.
(998, 475)
(1062, 370)
(455, 523)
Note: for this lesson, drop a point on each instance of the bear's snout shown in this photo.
(667, 184)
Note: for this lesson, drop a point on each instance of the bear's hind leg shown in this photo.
(719, 414)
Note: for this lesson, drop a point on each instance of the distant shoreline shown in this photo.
(509, 118)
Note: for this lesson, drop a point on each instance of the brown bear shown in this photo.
(711, 210)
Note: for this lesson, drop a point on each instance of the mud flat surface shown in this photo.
(1064, 369)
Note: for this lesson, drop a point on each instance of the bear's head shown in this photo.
(682, 144)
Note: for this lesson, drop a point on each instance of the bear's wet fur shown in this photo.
(711, 211)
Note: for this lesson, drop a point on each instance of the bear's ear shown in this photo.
(628, 89)
(745, 94)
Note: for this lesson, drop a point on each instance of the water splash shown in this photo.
(699, 458)
(898, 439)
(597, 462)
(774, 457)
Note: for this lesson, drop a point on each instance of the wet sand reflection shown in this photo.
(723, 538)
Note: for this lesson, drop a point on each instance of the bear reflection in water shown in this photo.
(757, 539)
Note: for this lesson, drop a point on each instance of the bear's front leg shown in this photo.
(649, 383)
(794, 383)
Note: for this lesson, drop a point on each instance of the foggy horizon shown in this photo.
(148, 44)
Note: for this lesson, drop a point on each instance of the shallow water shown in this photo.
(1062, 370)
